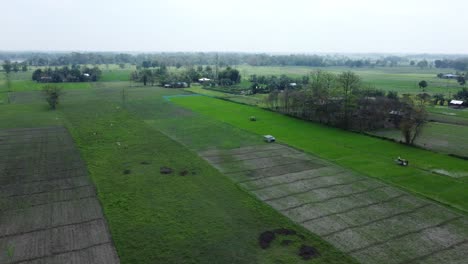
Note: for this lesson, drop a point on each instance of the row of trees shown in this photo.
(340, 101)
(179, 59)
(9, 66)
(460, 64)
(65, 74)
(150, 76)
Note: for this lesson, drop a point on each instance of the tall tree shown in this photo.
(423, 85)
(348, 82)
(412, 120)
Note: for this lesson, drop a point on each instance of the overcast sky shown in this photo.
(300, 26)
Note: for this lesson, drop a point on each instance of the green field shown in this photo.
(400, 79)
(201, 217)
(369, 156)
(440, 137)
(126, 133)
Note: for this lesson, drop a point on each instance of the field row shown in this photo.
(366, 218)
(49, 209)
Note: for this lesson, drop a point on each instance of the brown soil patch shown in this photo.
(265, 239)
(307, 252)
(165, 170)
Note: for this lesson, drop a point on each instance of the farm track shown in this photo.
(49, 211)
(368, 219)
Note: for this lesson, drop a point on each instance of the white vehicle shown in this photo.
(269, 138)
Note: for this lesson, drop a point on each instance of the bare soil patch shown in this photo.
(372, 221)
(49, 211)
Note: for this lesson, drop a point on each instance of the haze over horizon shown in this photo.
(296, 26)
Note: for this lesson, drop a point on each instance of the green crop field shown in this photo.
(366, 155)
(441, 137)
(227, 187)
(194, 214)
(400, 79)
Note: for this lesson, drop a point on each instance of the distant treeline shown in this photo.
(66, 74)
(226, 77)
(179, 59)
(460, 64)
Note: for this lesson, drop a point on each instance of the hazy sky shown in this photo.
(303, 26)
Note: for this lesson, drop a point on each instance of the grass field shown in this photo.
(400, 79)
(372, 221)
(369, 156)
(201, 217)
(440, 137)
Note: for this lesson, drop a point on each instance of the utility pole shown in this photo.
(216, 68)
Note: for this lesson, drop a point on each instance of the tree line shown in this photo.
(460, 64)
(9, 66)
(179, 59)
(340, 100)
(66, 74)
(150, 76)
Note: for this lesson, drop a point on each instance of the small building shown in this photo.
(456, 104)
(202, 80)
(293, 84)
(450, 76)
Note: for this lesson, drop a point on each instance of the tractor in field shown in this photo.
(402, 162)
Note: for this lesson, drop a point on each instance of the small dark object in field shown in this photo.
(183, 173)
(307, 252)
(284, 231)
(194, 173)
(127, 171)
(145, 163)
(253, 118)
(286, 242)
(266, 238)
(165, 170)
(301, 236)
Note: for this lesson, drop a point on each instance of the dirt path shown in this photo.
(49, 212)
(372, 221)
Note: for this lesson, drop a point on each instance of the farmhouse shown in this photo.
(204, 80)
(457, 104)
(450, 76)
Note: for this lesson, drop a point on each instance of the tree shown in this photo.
(461, 80)
(392, 95)
(422, 85)
(423, 64)
(462, 95)
(424, 97)
(7, 66)
(438, 98)
(412, 120)
(348, 82)
(52, 94)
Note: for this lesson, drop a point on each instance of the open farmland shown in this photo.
(372, 221)
(400, 79)
(193, 214)
(369, 156)
(440, 137)
(367, 218)
(49, 209)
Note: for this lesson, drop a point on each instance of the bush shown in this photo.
(52, 95)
